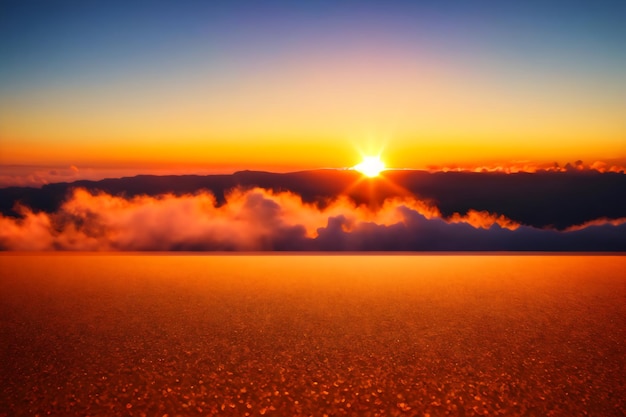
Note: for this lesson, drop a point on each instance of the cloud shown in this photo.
(29, 176)
(38, 176)
(416, 233)
(259, 220)
(511, 167)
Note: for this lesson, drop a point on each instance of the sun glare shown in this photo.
(370, 166)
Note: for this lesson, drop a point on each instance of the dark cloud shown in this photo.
(417, 233)
(260, 220)
(558, 200)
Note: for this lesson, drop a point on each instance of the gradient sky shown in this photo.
(280, 86)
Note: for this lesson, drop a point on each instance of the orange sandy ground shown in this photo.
(312, 335)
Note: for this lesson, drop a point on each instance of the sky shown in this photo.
(197, 87)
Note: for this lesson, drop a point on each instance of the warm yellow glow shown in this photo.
(371, 166)
(312, 111)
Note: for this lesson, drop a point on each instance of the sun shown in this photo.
(371, 166)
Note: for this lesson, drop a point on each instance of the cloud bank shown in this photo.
(261, 220)
(512, 167)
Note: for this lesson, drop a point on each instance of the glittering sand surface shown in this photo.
(312, 335)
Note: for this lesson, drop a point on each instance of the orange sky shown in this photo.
(239, 96)
(314, 117)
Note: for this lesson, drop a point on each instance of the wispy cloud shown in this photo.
(38, 176)
(34, 176)
(512, 167)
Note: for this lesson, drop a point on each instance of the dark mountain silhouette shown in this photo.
(543, 199)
